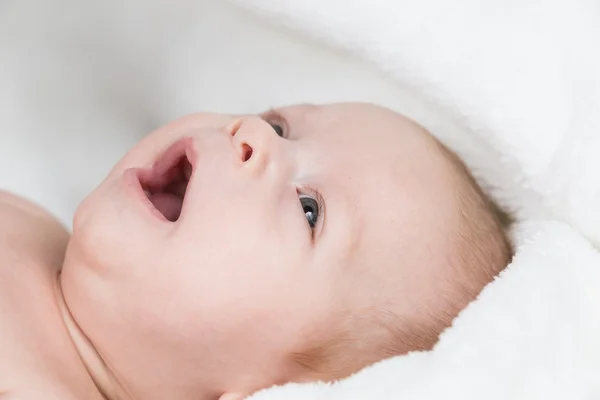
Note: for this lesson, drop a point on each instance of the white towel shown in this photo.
(522, 78)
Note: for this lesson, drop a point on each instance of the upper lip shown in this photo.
(166, 182)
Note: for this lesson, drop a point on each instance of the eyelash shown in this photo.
(314, 194)
(275, 120)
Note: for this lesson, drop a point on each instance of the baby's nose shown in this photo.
(255, 142)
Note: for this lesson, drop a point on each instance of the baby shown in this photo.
(225, 254)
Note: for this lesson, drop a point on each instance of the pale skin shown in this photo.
(135, 306)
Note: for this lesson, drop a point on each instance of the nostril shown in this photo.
(246, 152)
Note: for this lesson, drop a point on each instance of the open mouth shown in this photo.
(166, 183)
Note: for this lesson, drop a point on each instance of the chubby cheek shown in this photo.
(112, 238)
(227, 272)
(226, 211)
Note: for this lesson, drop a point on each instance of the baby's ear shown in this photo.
(233, 396)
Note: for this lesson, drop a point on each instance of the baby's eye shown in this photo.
(277, 128)
(310, 207)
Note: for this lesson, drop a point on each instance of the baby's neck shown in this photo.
(90, 357)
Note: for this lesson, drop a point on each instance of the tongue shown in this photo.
(168, 204)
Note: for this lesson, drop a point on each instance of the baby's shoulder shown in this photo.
(32, 246)
(29, 234)
(16, 211)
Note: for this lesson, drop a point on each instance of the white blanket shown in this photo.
(522, 78)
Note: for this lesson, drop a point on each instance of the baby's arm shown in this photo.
(29, 235)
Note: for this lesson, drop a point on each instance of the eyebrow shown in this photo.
(271, 111)
(353, 220)
(356, 219)
(279, 112)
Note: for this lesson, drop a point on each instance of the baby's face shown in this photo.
(289, 221)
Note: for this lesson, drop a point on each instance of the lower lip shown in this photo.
(133, 186)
